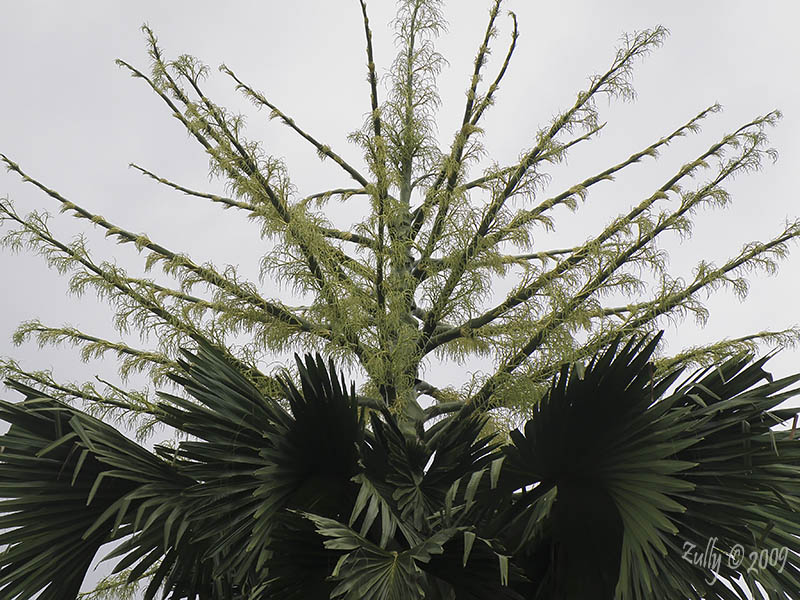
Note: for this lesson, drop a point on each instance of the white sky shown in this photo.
(74, 120)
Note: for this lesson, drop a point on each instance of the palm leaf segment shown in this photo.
(305, 497)
(627, 479)
(72, 483)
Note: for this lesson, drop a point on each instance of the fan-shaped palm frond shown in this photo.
(73, 483)
(300, 497)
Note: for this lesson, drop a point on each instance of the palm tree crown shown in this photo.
(312, 496)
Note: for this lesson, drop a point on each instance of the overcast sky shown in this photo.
(74, 120)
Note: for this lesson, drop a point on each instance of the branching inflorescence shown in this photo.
(414, 280)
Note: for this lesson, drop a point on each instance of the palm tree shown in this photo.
(308, 494)
(619, 482)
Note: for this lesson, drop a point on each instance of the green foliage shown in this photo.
(449, 500)
(595, 497)
(412, 282)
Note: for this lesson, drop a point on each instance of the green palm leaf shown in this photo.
(253, 459)
(596, 496)
(71, 483)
